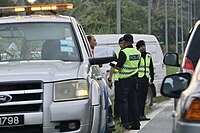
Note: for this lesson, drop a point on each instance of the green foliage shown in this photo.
(171, 69)
(100, 17)
(133, 17)
(96, 18)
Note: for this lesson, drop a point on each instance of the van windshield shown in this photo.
(38, 41)
(193, 52)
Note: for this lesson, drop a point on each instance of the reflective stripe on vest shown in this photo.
(130, 66)
(144, 69)
(116, 72)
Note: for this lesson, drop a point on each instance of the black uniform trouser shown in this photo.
(142, 94)
(129, 106)
(117, 99)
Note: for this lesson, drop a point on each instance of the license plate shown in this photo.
(11, 120)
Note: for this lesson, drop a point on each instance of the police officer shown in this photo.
(145, 72)
(127, 64)
(116, 84)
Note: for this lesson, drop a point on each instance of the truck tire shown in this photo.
(149, 99)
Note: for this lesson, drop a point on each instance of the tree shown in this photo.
(134, 17)
(6, 3)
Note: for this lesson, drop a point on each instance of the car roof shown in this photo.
(113, 38)
(35, 18)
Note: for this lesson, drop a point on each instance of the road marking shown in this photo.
(160, 107)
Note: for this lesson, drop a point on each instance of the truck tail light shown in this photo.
(192, 114)
(188, 64)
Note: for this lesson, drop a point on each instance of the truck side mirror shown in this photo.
(171, 59)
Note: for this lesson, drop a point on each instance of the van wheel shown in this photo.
(149, 100)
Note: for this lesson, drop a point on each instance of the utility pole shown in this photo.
(166, 27)
(182, 43)
(149, 16)
(176, 26)
(194, 11)
(188, 14)
(20, 2)
(191, 14)
(118, 18)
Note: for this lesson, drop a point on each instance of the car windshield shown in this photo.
(38, 41)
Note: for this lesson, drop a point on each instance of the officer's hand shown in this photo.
(109, 83)
(112, 64)
(150, 83)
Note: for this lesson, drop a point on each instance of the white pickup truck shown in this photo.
(47, 81)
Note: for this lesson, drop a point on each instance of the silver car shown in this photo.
(187, 112)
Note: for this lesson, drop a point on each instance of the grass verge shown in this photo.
(171, 70)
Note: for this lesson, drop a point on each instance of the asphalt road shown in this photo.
(161, 120)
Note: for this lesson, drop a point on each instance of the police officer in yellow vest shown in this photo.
(145, 72)
(127, 64)
(116, 84)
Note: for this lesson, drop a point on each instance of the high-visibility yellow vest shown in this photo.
(130, 66)
(116, 72)
(144, 68)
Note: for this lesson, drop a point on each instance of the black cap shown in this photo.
(120, 39)
(128, 37)
(140, 43)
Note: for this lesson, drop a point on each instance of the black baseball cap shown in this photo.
(128, 37)
(140, 43)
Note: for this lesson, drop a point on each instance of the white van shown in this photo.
(152, 46)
